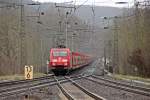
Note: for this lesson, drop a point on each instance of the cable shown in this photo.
(75, 9)
(82, 4)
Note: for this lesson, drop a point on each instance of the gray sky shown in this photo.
(91, 2)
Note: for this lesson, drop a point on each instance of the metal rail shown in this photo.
(95, 96)
(121, 87)
(22, 89)
(64, 91)
(8, 83)
(123, 84)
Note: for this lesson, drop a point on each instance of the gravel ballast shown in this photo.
(110, 93)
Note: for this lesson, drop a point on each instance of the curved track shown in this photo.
(74, 91)
(19, 89)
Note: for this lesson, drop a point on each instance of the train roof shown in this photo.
(60, 49)
(67, 49)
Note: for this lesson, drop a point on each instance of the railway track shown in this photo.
(119, 85)
(123, 84)
(9, 83)
(74, 91)
(13, 85)
(19, 89)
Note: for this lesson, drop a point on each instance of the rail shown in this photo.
(95, 96)
(22, 89)
(119, 86)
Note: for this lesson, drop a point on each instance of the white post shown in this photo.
(47, 67)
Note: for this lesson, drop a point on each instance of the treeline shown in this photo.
(26, 39)
(12, 26)
(134, 42)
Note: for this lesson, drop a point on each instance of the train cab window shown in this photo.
(59, 53)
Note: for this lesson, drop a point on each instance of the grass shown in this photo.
(19, 76)
(123, 77)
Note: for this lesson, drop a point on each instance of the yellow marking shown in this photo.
(28, 72)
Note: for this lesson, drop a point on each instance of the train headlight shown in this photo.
(64, 60)
(66, 64)
(53, 64)
(54, 60)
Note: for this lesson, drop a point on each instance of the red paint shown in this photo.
(64, 58)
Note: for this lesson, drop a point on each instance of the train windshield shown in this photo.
(59, 53)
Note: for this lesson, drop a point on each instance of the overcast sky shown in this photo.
(97, 2)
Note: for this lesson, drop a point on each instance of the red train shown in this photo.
(63, 60)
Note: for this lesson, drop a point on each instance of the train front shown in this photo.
(59, 59)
